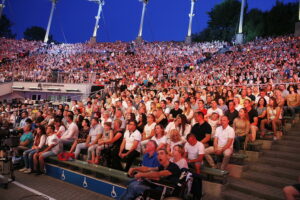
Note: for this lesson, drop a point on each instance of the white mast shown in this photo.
(50, 20)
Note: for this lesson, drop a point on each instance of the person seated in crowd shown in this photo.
(178, 157)
(292, 192)
(231, 113)
(241, 126)
(87, 139)
(59, 127)
(24, 117)
(119, 115)
(103, 143)
(223, 144)
(181, 124)
(150, 155)
(188, 111)
(174, 139)
(159, 136)
(175, 111)
(214, 109)
(130, 147)
(71, 134)
(201, 107)
(194, 152)
(26, 140)
(253, 118)
(148, 132)
(52, 149)
(160, 117)
(261, 110)
(38, 145)
(202, 129)
(273, 119)
(82, 137)
(292, 100)
(222, 105)
(237, 105)
(167, 172)
(214, 122)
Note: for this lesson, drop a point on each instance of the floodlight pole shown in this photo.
(50, 20)
(145, 2)
(239, 36)
(2, 5)
(100, 3)
(188, 38)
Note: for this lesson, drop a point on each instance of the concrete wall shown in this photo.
(5, 88)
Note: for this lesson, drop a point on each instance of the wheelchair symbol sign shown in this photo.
(113, 193)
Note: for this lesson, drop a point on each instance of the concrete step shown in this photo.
(277, 162)
(281, 155)
(283, 148)
(291, 143)
(268, 179)
(256, 189)
(236, 195)
(275, 171)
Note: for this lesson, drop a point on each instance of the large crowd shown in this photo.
(170, 105)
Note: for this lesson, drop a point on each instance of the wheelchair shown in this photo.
(184, 189)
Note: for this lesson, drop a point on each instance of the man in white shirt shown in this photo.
(71, 134)
(194, 152)
(130, 147)
(223, 143)
(214, 109)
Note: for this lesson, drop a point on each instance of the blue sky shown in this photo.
(74, 20)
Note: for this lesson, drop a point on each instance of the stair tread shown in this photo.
(282, 153)
(279, 160)
(270, 178)
(234, 194)
(266, 190)
(276, 169)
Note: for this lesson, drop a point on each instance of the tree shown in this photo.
(254, 24)
(36, 33)
(223, 22)
(5, 28)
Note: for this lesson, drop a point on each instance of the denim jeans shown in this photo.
(134, 189)
(237, 142)
(28, 157)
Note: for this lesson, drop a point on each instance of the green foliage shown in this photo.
(224, 19)
(5, 28)
(35, 33)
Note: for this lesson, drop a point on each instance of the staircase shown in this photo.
(275, 169)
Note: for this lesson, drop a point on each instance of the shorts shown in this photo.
(48, 154)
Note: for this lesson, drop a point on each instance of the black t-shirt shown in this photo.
(174, 112)
(251, 114)
(174, 169)
(252, 97)
(200, 130)
(231, 115)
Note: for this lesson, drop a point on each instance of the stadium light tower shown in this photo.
(2, 5)
(145, 2)
(50, 20)
(239, 36)
(100, 4)
(188, 38)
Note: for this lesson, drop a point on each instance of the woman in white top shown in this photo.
(180, 124)
(59, 127)
(148, 132)
(273, 118)
(177, 157)
(188, 111)
(159, 136)
(38, 144)
(175, 139)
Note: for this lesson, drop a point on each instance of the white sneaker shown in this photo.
(28, 171)
(23, 169)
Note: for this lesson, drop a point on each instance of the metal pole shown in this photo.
(142, 18)
(242, 17)
(2, 5)
(50, 20)
(299, 11)
(101, 3)
(191, 15)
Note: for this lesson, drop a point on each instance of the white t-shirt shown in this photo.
(71, 132)
(53, 139)
(130, 138)
(180, 163)
(194, 151)
(162, 140)
(94, 131)
(148, 129)
(223, 135)
(217, 110)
